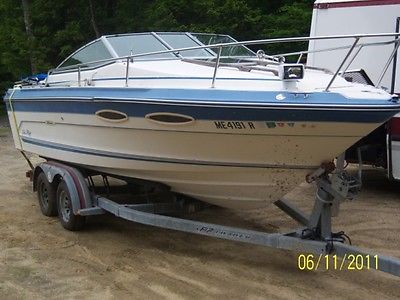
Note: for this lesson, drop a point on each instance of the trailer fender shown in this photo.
(79, 191)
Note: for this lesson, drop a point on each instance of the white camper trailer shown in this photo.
(340, 17)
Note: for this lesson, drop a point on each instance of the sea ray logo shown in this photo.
(271, 124)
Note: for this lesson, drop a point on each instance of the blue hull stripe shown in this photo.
(208, 113)
(220, 105)
(109, 154)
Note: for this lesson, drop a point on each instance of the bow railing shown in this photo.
(273, 59)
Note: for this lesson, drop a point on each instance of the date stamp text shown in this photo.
(349, 262)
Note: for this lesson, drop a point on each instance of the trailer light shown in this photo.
(291, 71)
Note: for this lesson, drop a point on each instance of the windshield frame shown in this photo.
(159, 36)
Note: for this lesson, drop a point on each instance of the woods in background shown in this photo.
(36, 35)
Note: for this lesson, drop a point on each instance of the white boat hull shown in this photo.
(240, 168)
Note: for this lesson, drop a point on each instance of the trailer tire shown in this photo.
(46, 192)
(68, 219)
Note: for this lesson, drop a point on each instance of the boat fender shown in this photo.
(79, 192)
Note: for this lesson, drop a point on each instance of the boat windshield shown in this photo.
(230, 51)
(125, 45)
(178, 40)
(88, 53)
(131, 44)
(121, 45)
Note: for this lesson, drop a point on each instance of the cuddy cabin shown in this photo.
(104, 63)
(200, 113)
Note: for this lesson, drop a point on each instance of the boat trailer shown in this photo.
(70, 193)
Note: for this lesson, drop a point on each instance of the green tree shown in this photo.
(290, 20)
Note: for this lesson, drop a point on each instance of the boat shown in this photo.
(200, 113)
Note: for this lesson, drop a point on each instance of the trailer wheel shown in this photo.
(68, 219)
(46, 196)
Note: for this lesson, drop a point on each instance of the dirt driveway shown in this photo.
(113, 258)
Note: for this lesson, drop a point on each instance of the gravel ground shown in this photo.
(113, 258)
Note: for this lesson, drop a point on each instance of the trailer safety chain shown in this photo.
(312, 234)
(330, 247)
(342, 236)
(336, 237)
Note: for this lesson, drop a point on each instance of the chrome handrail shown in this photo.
(79, 76)
(342, 64)
(216, 66)
(356, 38)
(127, 72)
(352, 59)
(388, 64)
(336, 48)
